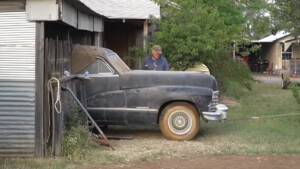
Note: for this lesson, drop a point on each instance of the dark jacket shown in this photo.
(159, 64)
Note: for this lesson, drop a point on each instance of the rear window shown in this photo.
(118, 63)
(97, 67)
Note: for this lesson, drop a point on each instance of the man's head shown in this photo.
(156, 51)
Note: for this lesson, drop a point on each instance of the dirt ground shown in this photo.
(207, 162)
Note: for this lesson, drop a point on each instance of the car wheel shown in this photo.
(179, 121)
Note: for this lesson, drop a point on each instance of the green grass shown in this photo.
(33, 163)
(278, 136)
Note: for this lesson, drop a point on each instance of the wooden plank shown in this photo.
(12, 5)
(145, 35)
(39, 94)
(46, 95)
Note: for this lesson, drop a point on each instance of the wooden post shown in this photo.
(39, 89)
(145, 35)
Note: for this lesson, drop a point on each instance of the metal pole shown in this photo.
(86, 112)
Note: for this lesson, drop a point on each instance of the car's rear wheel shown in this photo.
(179, 121)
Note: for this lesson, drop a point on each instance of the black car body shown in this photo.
(117, 95)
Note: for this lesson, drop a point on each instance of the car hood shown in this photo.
(144, 78)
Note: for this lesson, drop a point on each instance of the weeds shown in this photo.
(233, 77)
(295, 91)
(76, 142)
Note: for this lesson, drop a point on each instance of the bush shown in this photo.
(295, 91)
(232, 76)
(76, 142)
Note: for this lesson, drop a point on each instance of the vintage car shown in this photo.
(117, 95)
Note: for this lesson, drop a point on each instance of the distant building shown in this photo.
(277, 50)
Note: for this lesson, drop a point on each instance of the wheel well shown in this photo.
(162, 107)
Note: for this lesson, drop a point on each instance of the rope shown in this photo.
(57, 104)
(264, 117)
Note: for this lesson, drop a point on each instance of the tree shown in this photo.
(257, 17)
(288, 14)
(198, 32)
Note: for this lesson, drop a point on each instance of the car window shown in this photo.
(97, 67)
(118, 63)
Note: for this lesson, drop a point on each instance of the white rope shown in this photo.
(57, 104)
(264, 117)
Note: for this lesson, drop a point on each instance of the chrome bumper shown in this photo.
(218, 115)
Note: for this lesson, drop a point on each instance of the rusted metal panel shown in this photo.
(17, 85)
(85, 22)
(69, 14)
(46, 10)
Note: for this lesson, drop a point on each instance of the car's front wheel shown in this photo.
(179, 121)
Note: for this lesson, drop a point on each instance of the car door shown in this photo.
(105, 101)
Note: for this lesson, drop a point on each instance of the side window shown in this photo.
(103, 67)
(97, 67)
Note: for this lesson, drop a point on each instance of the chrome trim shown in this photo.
(99, 75)
(180, 122)
(214, 101)
(123, 109)
(218, 115)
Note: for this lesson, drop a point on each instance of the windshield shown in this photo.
(118, 63)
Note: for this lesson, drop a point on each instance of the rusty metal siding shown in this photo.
(17, 85)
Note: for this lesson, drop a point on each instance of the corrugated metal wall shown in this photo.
(17, 84)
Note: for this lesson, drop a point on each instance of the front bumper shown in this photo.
(218, 115)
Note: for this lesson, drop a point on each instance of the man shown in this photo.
(156, 61)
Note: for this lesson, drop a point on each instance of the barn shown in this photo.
(36, 39)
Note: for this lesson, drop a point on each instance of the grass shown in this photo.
(276, 136)
(264, 136)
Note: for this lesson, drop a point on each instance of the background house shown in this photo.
(36, 39)
(276, 50)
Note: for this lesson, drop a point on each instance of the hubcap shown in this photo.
(180, 122)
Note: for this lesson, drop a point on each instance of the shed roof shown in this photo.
(124, 9)
(272, 38)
